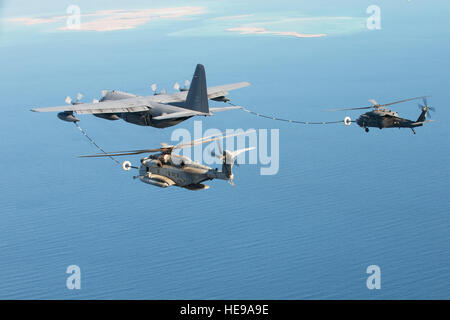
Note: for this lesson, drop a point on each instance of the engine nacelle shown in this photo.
(67, 116)
(107, 116)
(139, 118)
(221, 99)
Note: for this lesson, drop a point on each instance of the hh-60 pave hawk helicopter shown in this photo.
(164, 169)
(381, 117)
(160, 110)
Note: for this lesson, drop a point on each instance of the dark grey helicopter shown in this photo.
(380, 117)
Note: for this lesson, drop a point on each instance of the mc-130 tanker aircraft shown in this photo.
(160, 110)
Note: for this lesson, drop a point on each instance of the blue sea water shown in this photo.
(342, 200)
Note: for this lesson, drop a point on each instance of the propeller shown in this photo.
(69, 100)
(104, 93)
(426, 108)
(376, 105)
(177, 86)
(154, 88)
(186, 85)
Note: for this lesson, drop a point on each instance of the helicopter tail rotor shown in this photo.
(229, 159)
(425, 108)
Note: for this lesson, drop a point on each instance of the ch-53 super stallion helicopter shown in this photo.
(163, 168)
(381, 117)
(160, 110)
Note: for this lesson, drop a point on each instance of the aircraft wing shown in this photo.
(213, 92)
(181, 114)
(137, 104)
(221, 91)
(111, 106)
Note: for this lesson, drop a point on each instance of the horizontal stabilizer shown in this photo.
(421, 122)
(220, 109)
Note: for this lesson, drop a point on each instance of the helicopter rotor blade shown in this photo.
(373, 102)
(210, 139)
(168, 149)
(219, 145)
(218, 155)
(377, 105)
(401, 101)
(123, 153)
(346, 109)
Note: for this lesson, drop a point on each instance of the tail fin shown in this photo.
(229, 158)
(197, 97)
(422, 116)
(227, 164)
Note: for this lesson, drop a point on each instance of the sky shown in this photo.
(342, 200)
